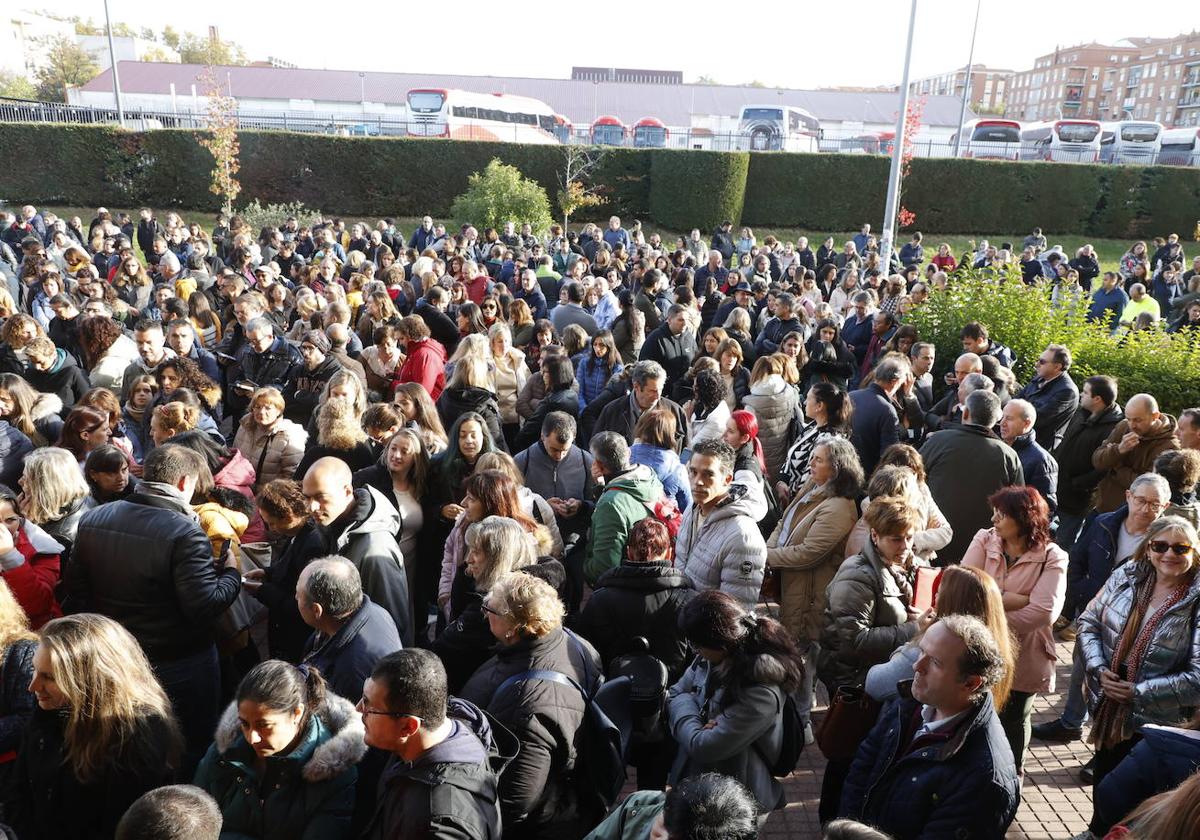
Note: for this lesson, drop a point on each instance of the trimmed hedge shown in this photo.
(93, 165)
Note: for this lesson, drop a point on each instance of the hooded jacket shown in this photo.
(31, 569)
(621, 505)
(64, 379)
(367, 539)
(307, 794)
(304, 387)
(1123, 467)
(666, 465)
(1077, 477)
(454, 402)
(425, 365)
(724, 549)
(275, 453)
(451, 791)
(774, 402)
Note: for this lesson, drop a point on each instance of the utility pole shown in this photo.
(112, 57)
(962, 112)
(893, 193)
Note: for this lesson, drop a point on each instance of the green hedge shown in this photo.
(93, 165)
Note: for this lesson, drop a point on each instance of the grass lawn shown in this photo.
(1108, 250)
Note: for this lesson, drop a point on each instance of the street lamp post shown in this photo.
(112, 57)
(962, 112)
(893, 192)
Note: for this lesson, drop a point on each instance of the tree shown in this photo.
(221, 140)
(67, 65)
(705, 80)
(170, 37)
(13, 86)
(157, 53)
(197, 49)
(86, 27)
(573, 194)
(502, 194)
(916, 111)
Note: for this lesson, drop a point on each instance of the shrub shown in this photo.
(1022, 317)
(697, 189)
(502, 194)
(258, 217)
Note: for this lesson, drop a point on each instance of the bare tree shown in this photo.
(575, 191)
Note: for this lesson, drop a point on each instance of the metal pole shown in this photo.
(112, 57)
(362, 91)
(962, 113)
(893, 193)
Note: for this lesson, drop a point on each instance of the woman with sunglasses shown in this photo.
(1141, 644)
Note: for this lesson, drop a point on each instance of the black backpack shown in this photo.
(649, 679)
(792, 741)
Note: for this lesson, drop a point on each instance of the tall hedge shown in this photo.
(816, 192)
(697, 189)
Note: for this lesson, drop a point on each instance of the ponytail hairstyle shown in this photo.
(284, 687)
(837, 405)
(758, 649)
(747, 424)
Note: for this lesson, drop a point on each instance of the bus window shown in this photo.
(1077, 132)
(426, 101)
(762, 114)
(1139, 133)
(996, 134)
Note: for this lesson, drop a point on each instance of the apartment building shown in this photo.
(989, 87)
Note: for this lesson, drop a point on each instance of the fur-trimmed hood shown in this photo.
(46, 405)
(343, 745)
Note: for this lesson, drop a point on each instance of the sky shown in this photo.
(781, 43)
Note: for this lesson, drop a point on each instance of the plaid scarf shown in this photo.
(1112, 724)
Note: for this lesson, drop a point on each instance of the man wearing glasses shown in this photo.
(442, 775)
(1053, 394)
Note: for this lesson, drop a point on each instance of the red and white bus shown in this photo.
(608, 131)
(463, 115)
(650, 133)
(1065, 141)
(990, 138)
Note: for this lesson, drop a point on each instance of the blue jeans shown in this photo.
(194, 686)
(1075, 710)
(1069, 526)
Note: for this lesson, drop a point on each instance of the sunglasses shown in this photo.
(1178, 549)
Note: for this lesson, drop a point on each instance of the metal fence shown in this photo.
(347, 124)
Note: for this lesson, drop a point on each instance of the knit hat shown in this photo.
(317, 339)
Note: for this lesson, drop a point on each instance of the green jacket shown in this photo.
(622, 505)
(306, 795)
(632, 819)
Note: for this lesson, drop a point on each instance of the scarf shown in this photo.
(1112, 724)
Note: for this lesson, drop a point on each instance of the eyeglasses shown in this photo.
(1178, 549)
(361, 706)
(494, 612)
(1148, 503)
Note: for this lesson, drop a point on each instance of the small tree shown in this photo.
(916, 110)
(221, 140)
(67, 65)
(579, 162)
(502, 194)
(13, 86)
(201, 49)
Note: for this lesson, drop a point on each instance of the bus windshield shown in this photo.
(1077, 132)
(1139, 133)
(426, 101)
(762, 114)
(996, 134)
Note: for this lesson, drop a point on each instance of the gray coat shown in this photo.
(745, 731)
(774, 403)
(1168, 687)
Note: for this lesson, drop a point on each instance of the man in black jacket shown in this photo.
(266, 360)
(432, 310)
(303, 391)
(146, 563)
(672, 345)
(442, 780)
(645, 391)
(1089, 427)
(1053, 393)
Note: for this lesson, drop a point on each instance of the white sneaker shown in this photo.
(808, 735)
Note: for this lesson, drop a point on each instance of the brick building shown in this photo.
(989, 87)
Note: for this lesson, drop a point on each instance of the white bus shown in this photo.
(462, 115)
(777, 128)
(990, 138)
(1064, 141)
(1130, 141)
(1180, 147)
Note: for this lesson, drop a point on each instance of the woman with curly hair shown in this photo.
(15, 336)
(338, 422)
(707, 411)
(107, 351)
(181, 372)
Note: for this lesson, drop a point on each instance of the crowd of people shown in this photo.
(328, 532)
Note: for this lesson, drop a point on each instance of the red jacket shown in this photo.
(426, 364)
(477, 288)
(32, 581)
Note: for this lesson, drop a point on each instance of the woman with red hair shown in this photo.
(1031, 571)
(741, 433)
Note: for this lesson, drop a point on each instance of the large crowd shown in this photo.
(328, 531)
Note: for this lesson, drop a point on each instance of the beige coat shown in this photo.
(807, 555)
(509, 375)
(284, 448)
(1040, 574)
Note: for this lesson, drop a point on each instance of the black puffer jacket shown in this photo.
(149, 566)
(286, 631)
(565, 400)
(454, 402)
(16, 700)
(537, 796)
(638, 600)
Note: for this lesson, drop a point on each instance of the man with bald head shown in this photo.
(360, 525)
(1130, 450)
(1017, 423)
(948, 411)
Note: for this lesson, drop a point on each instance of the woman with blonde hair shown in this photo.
(338, 424)
(267, 439)
(896, 478)
(54, 495)
(203, 320)
(169, 419)
(17, 646)
(31, 562)
(102, 735)
(509, 373)
(521, 322)
(421, 415)
(33, 413)
(774, 402)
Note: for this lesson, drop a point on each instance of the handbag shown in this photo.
(852, 713)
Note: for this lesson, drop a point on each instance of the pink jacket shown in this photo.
(1042, 575)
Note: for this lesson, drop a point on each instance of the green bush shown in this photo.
(1022, 317)
(501, 194)
(258, 216)
(697, 189)
(815, 192)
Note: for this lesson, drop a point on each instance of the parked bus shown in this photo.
(1180, 147)
(1130, 141)
(1065, 141)
(990, 138)
(563, 129)
(608, 131)
(463, 115)
(778, 128)
(650, 133)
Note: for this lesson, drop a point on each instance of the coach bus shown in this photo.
(463, 115)
(778, 128)
(1064, 141)
(990, 138)
(1130, 141)
(650, 133)
(1180, 147)
(608, 131)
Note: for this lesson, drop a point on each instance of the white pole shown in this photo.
(962, 113)
(112, 57)
(174, 101)
(893, 193)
